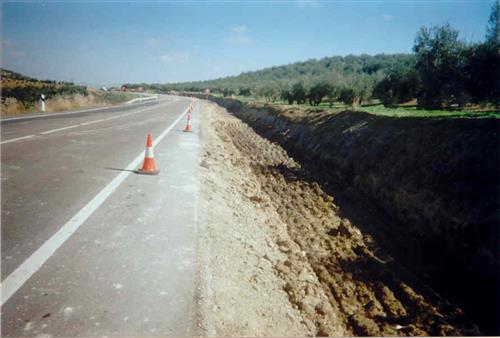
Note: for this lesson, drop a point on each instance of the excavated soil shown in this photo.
(279, 257)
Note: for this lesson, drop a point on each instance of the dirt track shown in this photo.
(277, 257)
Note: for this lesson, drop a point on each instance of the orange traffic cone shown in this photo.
(149, 165)
(188, 128)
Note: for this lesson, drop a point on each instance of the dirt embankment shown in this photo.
(280, 258)
(427, 190)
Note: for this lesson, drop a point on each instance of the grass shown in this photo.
(379, 109)
(414, 112)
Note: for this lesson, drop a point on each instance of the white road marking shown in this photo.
(87, 123)
(59, 129)
(56, 114)
(170, 99)
(17, 139)
(95, 121)
(16, 279)
(77, 125)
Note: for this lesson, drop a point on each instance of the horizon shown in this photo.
(170, 42)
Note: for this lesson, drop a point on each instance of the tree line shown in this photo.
(442, 72)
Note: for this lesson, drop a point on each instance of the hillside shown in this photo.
(20, 94)
(444, 72)
(330, 69)
(28, 89)
(343, 70)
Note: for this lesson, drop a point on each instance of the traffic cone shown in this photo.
(188, 128)
(149, 165)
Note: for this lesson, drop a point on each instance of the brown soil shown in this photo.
(425, 188)
(280, 258)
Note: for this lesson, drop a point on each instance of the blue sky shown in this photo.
(110, 42)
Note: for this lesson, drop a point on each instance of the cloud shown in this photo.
(309, 3)
(17, 54)
(240, 40)
(387, 17)
(216, 69)
(152, 42)
(6, 43)
(241, 29)
(239, 36)
(175, 57)
(14, 50)
(11, 44)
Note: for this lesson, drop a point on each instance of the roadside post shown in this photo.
(42, 102)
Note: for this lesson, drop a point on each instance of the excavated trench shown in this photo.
(424, 194)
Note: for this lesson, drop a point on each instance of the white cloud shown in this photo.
(152, 42)
(15, 51)
(11, 44)
(241, 67)
(6, 43)
(387, 17)
(309, 3)
(17, 54)
(239, 36)
(240, 40)
(175, 57)
(240, 29)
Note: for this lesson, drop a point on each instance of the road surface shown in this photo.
(89, 248)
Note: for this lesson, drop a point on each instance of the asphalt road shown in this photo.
(89, 248)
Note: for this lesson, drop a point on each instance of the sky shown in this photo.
(115, 42)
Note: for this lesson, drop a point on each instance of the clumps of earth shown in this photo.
(335, 277)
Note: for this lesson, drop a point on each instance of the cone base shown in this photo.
(188, 130)
(147, 172)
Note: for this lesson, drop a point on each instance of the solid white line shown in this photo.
(168, 98)
(81, 124)
(17, 139)
(63, 113)
(58, 114)
(17, 278)
(56, 130)
(87, 123)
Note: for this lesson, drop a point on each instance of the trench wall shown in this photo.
(437, 180)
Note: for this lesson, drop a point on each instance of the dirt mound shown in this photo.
(333, 273)
(432, 188)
